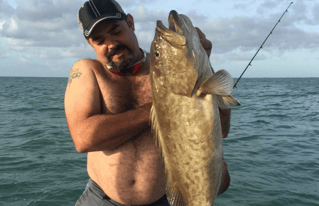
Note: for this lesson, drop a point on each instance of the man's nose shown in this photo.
(111, 44)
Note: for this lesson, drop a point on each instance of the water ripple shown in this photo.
(272, 148)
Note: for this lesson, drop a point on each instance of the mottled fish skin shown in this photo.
(185, 117)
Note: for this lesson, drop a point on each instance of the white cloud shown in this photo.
(266, 6)
(315, 12)
(1, 24)
(239, 32)
(126, 4)
(4, 54)
(5, 9)
(140, 13)
(12, 26)
(145, 38)
(49, 28)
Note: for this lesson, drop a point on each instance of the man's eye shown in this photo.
(100, 43)
(117, 32)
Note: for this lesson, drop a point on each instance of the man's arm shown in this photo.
(225, 121)
(89, 128)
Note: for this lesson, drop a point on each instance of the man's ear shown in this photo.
(89, 42)
(130, 21)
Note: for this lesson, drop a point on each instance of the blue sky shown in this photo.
(41, 38)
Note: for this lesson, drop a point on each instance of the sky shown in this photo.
(42, 38)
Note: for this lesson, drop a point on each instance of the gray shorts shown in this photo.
(94, 196)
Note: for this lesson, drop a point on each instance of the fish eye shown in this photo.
(157, 54)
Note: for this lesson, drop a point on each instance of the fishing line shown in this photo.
(261, 46)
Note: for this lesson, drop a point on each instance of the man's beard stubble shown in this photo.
(122, 64)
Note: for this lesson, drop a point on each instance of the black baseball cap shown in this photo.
(94, 11)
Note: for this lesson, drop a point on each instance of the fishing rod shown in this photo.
(261, 46)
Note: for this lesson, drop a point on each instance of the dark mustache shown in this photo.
(117, 49)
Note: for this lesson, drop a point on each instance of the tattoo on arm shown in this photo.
(74, 74)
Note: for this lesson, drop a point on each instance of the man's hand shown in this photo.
(205, 42)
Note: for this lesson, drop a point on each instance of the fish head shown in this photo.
(175, 62)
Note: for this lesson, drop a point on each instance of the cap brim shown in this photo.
(90, 28)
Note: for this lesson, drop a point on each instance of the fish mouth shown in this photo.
(174, 22)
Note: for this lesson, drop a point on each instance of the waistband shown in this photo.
(97, 190)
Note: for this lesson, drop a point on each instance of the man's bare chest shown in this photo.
(122, 94)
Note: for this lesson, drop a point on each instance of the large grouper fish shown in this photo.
(186, 97)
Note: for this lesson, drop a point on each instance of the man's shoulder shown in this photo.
(88, 64)
(83, 73)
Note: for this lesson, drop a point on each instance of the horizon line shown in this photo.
(232, 77)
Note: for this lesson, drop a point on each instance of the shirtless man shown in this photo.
(107, 106)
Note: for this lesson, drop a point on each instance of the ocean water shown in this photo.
(272, 149)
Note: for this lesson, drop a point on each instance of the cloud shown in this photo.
(44, 25)
(82, 51)
(141, 15)
(239, 32)
(5, 9)
(1, 24)
(49, 29)
(127, 4)
(52, 26)
(236, 55)
(248, 33)
(240, 6)
(4, 54)
(266, 6)
(315, 12)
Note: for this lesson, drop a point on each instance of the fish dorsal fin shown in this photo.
(174, 196)
(221, 85)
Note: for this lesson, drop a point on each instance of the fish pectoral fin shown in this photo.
(174, 196)
(220, 83)
(225, 181)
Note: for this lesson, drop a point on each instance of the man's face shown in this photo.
(115, 43)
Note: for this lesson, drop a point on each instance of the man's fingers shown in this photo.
(200, 33)
(205, 42)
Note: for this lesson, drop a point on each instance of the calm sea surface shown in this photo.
(272, 149)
